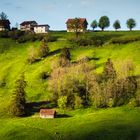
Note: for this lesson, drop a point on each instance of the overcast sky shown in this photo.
(56, 12)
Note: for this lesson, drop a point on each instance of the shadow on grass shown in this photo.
(34, 107)
(62, 116)
(54, 52)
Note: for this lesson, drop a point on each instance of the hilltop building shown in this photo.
(82, 25)
(4, 25)
(41, 28)
(28, 25)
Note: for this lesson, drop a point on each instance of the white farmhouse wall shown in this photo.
(46, 116)
(41, 29)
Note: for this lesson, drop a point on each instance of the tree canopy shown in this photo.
(94, 24)
(131, 23)
(104, 22)
(117, 25)
(3, 16)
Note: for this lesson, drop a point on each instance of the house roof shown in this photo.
(28, 22)
(47, 111)
(3, 22)
(43, 25)
(82, 20)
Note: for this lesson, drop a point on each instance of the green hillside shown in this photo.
(121, 123)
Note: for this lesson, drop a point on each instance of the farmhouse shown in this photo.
(82, 25)
(4, 25)
(47, 113)
(41, 28)
(28, 25)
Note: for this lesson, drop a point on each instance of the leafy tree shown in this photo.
(94, 24)
(65, 58)
(3, 16)
(78, 102)
(104, 22)
(62, 102)
(109, 71)
(131, 23)
(76, 26)
(18, 104)
(117, 25)
(66, 53)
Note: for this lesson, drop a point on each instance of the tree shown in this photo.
(109, 71)
(117, 25)
(131, 23)
(3, 16)
(62, 102)
(104, 22)
(66, 53)
(65, 57)
(76, 26)
(94, 24)
(18, 104)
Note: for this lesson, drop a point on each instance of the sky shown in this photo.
(56, 12)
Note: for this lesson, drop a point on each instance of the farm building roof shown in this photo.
(82, 20)
(28, 22)
(47, 111)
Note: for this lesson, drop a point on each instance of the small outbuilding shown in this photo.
(47, 113)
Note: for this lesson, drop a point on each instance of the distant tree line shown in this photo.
(104, 22)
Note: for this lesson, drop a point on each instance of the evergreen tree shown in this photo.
(19, 102)
(3, 16)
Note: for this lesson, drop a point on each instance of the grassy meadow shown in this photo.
(120, 123)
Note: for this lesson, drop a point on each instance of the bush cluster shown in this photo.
(78, 85)
(22, 36)
(90, 40)
(124, 40)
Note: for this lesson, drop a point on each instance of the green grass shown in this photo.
(107, 124)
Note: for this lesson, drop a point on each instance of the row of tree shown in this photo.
(104, 22)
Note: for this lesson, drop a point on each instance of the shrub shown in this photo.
(82, 86)
(15, 34)
(66, 53)
(64, 59)
(78, 103)
(133, 103)
(88, 41)
(4, 34)
(32, 55)
(109, 72)
(62, 102)
(124, 39)
(44, 49)
(50, 38)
